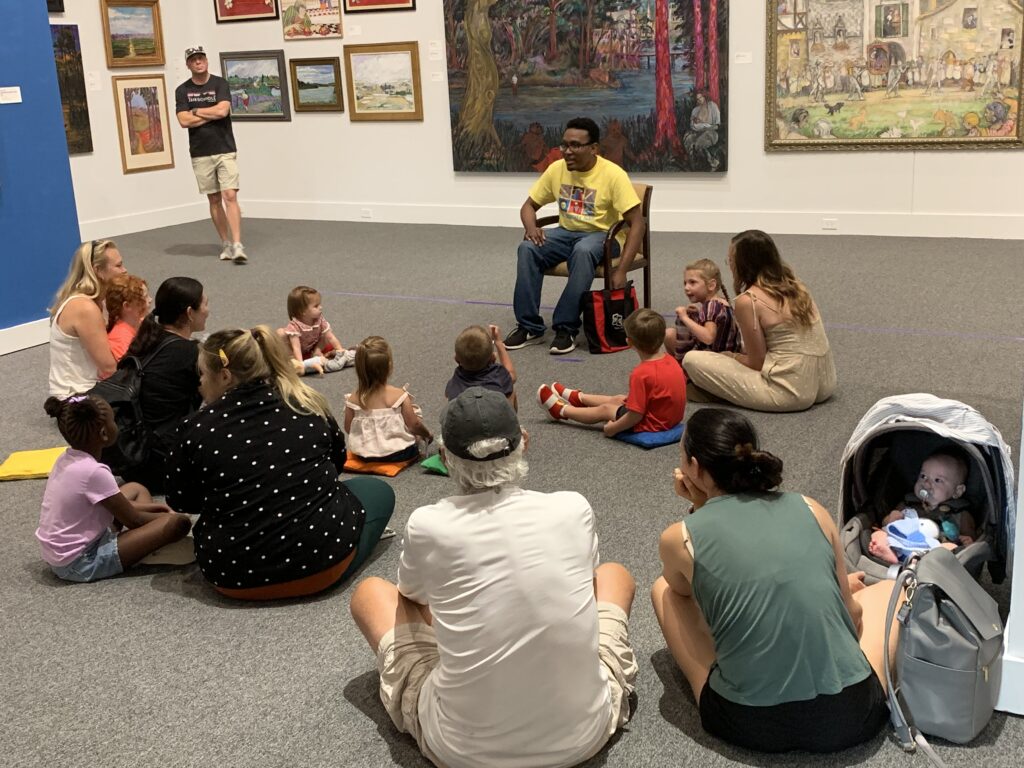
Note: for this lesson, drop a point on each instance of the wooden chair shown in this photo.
(642, 260)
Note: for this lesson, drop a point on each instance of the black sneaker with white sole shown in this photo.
(520, 337)
(563, 344)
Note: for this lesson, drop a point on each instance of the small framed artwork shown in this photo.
(55, 6)
(383, 81)
(305, 20)
(316, 84)
(244, 10)
(131, 33)
(259, 85)
(143, 127)
(358, 6)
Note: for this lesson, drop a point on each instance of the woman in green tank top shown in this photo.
(782, 649)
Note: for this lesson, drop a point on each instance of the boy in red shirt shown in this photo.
(657, 387)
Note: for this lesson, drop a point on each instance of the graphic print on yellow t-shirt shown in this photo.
(576, 200)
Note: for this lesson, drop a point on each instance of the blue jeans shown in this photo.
(582, 251)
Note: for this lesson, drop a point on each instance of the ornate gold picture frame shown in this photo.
(893, 74)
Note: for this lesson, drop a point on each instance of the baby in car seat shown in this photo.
(934, 515)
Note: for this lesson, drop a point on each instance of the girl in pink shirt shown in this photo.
(314, 347)
(127, 300)
(83, 509)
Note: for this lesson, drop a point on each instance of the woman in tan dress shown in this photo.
(787, 362)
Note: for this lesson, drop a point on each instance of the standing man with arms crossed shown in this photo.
(203, 104)
(593, 194)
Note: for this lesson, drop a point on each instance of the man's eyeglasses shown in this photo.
(573, 146)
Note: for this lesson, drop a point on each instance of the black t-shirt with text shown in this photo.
(214, 138)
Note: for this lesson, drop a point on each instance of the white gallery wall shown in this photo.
(322, 166)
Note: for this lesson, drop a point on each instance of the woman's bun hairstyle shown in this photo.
(724, 443)
(754, 471)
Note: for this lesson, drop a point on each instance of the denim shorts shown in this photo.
(99, 561)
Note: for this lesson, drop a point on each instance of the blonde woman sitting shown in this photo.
(79, 351)
(260, 464)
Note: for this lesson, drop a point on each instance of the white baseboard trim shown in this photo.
(24, 336)
(944, 225)
(877, 223)
(141, 221)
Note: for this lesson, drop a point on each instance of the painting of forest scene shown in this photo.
(651, 73)
(141, 106)
(67, 53)
(892, 74)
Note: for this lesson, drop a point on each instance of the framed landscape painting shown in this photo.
(67, 53)
(893, 74)
(131, 33)
(316, 84)
(244, 10)
(143, 128)
(311, 19)
(383, 81)
(355, 6)
(259, 85)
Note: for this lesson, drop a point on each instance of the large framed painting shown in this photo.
(316, 84)
(67, 53)
(311, 19)
(143, 128)
(383, 81)
(131, 33)
(653, 74)
(893, 74)
(259, 85)
(357, 6)
(244, 10)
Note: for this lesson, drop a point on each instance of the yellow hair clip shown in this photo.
(223, 357)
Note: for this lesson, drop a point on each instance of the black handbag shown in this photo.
(604, 317)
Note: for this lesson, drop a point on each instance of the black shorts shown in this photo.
(826, 723)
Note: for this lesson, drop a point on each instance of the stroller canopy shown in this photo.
(949, 419)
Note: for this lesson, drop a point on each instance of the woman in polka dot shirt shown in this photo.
(260, 465)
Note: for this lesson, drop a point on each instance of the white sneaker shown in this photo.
(239, 256)
(227, 253)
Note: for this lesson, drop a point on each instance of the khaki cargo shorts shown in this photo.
(216, 172)
(408, 654)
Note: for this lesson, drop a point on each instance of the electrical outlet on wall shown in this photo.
(366, 213)
(829, 223)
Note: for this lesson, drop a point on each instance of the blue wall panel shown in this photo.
(38, 220)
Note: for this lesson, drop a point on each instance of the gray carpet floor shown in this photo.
(153, 668)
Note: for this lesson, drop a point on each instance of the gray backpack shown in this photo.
(948, 662)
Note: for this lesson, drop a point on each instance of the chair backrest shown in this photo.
(644, 191)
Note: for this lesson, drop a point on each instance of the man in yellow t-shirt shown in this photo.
(593, 194)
